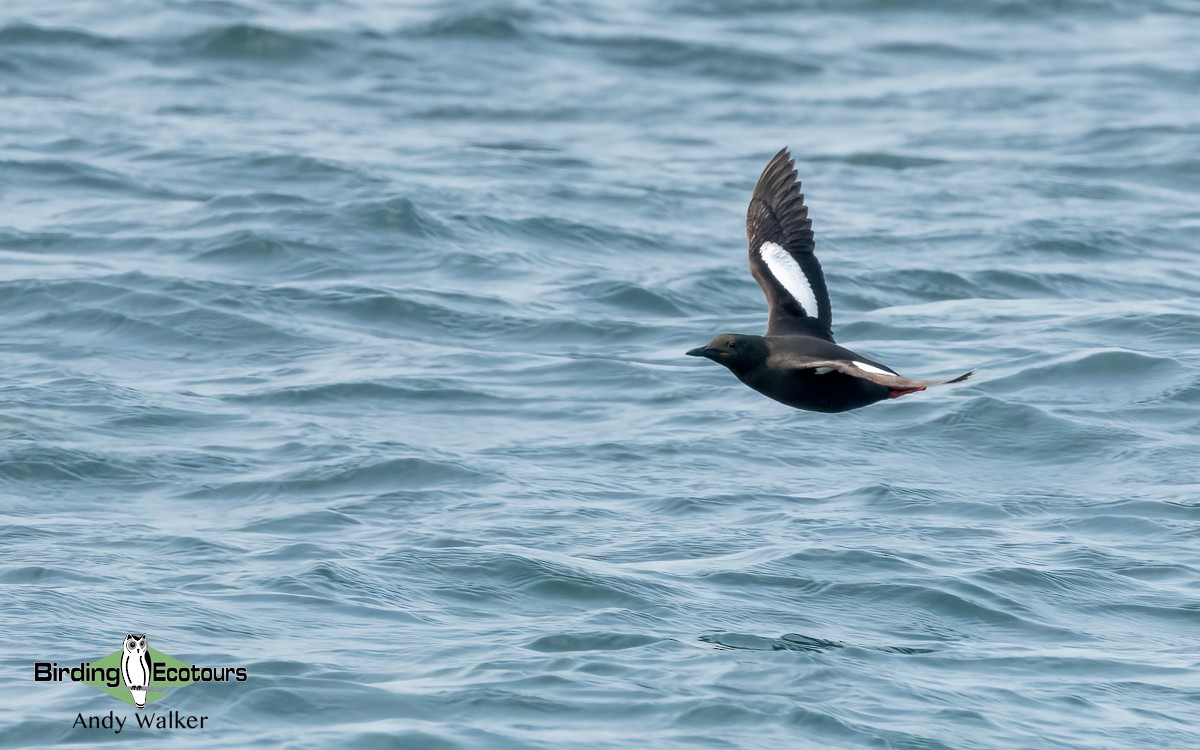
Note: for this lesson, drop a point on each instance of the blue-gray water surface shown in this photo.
(343, 341)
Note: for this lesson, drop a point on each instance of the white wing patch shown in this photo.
(788, 273)
(824, 370)
(871, 368)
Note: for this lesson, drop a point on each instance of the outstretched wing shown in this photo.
(898, 385)
(781, 254)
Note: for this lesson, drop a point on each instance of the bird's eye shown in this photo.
(732, 345)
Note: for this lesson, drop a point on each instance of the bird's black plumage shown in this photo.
(797, 362)
(777, 215)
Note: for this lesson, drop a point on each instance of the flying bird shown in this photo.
(797, 362)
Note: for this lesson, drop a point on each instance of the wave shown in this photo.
(246, 42)
(500, 23)
(696, 58)
(30, 35)
(346, 478)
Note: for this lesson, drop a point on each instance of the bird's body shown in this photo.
(784, 377)
(797, 362)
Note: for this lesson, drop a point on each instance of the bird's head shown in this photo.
(736, 351)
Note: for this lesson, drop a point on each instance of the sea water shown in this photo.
(343, 343)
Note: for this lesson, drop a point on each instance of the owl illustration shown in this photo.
(135, 667)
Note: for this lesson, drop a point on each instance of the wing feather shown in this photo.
(874, 374)
(781, 254)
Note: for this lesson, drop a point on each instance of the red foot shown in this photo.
(898, 392)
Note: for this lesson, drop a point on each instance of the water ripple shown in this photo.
(344, 341)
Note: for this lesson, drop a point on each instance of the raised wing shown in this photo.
(781, 254)
(898, 385)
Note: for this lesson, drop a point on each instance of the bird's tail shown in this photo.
(913, 385)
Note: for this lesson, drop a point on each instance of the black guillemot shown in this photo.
(797, 362)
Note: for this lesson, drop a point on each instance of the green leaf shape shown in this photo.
(113, 661)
